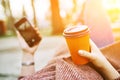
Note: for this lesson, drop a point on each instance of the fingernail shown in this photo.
(80, 52)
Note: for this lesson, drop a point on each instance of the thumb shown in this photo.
(86, 54)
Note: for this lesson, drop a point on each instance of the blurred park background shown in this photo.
(51, 17)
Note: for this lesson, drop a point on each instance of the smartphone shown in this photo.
(27, 31)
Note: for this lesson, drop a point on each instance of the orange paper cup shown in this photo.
(77, 38)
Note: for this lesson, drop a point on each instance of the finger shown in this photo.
(18, 34)
(37, 31)
(86, 54)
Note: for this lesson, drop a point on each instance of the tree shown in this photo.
(57, 24)
(8, 13)
(34, 13)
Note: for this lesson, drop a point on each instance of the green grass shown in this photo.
(8, 34)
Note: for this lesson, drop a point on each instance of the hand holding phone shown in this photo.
(26, 30)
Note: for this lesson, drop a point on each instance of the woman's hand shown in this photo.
(99, 60)
(28, 56)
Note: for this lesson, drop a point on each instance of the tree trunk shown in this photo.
(9, 16)
(34, 13)
(57, 24)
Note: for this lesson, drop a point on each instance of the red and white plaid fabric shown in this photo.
(64, 69)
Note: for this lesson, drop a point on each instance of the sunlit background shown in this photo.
(51, 17)
(40, 10)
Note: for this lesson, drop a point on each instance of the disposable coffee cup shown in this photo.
(77, 38)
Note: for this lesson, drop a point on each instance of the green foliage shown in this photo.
(114, 14)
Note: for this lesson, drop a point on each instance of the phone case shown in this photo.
(28, 32)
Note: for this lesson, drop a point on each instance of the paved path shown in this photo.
(11, 54)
